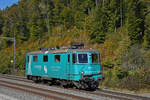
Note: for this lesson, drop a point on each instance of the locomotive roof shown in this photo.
(62, 51)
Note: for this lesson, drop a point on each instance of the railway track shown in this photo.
(38, 91)
(97, 93)
(126, 96)
(18, 78)
(121, 95)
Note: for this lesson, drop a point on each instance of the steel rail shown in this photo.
(127, 95)
(38, 90)
(98, 92)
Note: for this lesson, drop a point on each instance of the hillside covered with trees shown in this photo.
(119, 29)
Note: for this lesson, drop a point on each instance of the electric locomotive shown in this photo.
(68, 66)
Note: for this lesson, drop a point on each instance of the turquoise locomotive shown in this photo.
(71, 66)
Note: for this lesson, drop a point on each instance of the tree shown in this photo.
(99, 25)
(58, 7)
(146, 42)
(46, 7)
(135, 21)
(113, 11)
(1, 22)
(67, 17)
(80, 10)
(34, 29)
(6, 33)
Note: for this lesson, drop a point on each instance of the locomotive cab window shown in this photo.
(68, 58)
(27, 58)
(57, 58)
(45, 58)
(95, 58)
(35, 58)
(74, 58)
(83, 58)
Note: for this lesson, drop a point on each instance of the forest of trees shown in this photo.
(119, 29)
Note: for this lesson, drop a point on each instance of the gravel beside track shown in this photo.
(146, 94)
(10, 94)
(6, 97)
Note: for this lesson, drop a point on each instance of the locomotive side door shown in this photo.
(68, 67)
(29, 65)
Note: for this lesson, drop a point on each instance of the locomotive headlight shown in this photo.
(82, 72)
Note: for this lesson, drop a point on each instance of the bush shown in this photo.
(108, 63)
(122, 74)
(137, 81)
(132, 82)
(133, 59)
(111, 81)
(145, 78)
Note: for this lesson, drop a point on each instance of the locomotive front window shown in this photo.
(83, 58)
(95, 58)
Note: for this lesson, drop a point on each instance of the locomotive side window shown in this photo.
(45, 58)
(57, 58)
(95, 58)
(74, 58)
(83, 58)
(27, 58)
(35, 58)
(68, 58)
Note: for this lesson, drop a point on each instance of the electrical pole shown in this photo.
(12, 39)
(14, 56)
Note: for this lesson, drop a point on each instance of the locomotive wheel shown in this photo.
(77, 85)
(91, 85)
(29, 77)
(50, 83)
(36, 79)
(63, 83)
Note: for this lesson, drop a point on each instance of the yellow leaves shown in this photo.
(108, 48)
